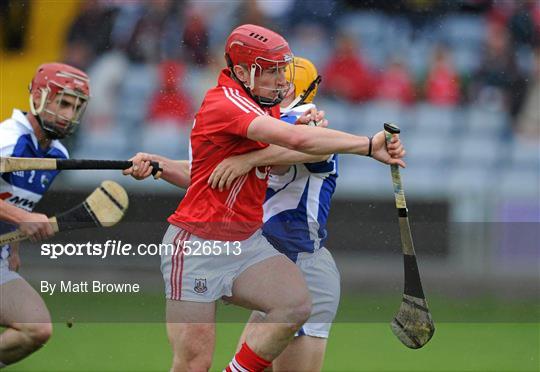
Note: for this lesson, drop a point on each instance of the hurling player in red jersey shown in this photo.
(240, 115)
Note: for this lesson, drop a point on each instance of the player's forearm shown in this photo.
(176, 172)
(320, 141)
(307, 139)
(277, 155)
(14, 248)
(10, 213)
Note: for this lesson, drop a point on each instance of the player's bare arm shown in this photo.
(36, 225)
(176, 172)
(320, 141)
(231, 168)
(14, 260)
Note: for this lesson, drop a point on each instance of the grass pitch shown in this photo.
(361, 340)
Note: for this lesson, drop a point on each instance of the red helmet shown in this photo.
(256, 45)
(259, 48)
(50, 80)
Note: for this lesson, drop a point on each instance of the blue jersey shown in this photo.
(24, 188)
(298, 202)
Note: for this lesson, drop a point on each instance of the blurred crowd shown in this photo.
(152, 61)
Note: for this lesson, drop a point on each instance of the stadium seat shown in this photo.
(524, 154)
(519, 182)
(429, 148)
(367, 27)
(338, 115)
(376, 113)
(360, 175)
(168, 140)
(441, 121)
(478, 150)
(421, 180)
(463, 30)
(468, 178)
(107, 144)
(486, 123)
(466, 59)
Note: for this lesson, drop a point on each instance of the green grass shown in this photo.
(472, 335)
(352, 347)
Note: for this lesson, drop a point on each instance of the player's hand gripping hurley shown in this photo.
(412, 324)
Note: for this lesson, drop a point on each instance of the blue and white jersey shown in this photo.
(298, 202)
(24, 188)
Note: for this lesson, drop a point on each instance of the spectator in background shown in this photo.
(170, 104)
(321, 12)
(346, 75)
(311, 41)
(155, 37)
(156, 34)
(195, 38)
(442, 86)
(395, 84)
(86, 40)
(498, 82)
(521, 23)
(528, 120)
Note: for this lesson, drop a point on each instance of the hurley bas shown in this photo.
(94, 286)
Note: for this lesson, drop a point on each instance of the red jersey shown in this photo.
(220, 131)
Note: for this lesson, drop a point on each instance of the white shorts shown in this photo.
(205, 273)
(7, 275)
(323, 281)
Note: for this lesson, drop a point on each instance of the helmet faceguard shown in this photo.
(54, 86)
(260, 51)
(306, 81)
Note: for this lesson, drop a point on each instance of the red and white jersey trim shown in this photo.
(241, 102)
(256, 108)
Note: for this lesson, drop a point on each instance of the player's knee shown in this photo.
(191, 363)
(301, 312)
(298, 313)
(37, 334)
(192, 351)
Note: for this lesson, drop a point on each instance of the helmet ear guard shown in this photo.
(42, 101)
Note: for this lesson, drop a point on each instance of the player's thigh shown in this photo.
(304, 353)
(191, 327)
(20, 304)
(269, 284)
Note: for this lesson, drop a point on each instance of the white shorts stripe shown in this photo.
(178, 265)
(236, 93)
(173, 269)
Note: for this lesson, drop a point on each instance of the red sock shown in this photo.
(247, 360)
